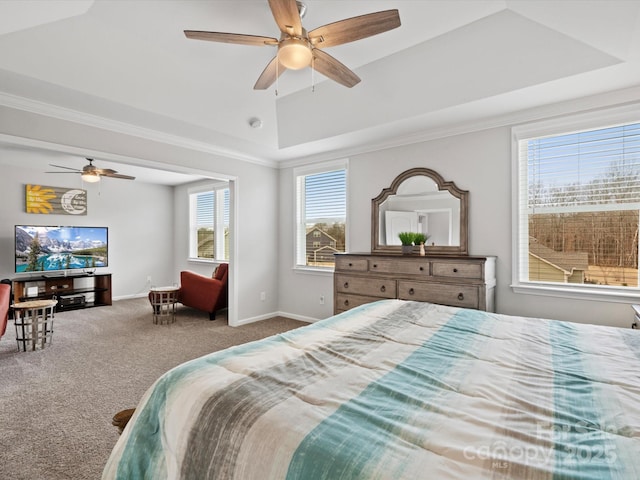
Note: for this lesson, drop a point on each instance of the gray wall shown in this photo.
(254, 265)
(479, 162)
(139, 237)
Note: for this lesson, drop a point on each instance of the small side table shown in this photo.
(34, 323)
(636, 317)
(163, 302)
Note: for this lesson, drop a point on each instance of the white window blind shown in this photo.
(209, 225)
(321, 204)
(579, 203)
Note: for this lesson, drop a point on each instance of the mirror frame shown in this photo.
(462, 195)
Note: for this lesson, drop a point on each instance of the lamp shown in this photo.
(90, 177)
(294, 53)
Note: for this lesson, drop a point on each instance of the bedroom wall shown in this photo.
(255, 259)
(138, 235)
(479, 162)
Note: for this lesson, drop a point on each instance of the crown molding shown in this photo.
(592, 103)
(75, 116)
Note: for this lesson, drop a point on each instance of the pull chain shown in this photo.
(277, 76)
(313, 73)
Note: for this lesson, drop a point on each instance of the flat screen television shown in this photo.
(56, 248)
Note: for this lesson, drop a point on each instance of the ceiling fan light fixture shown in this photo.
(294, 53)
(90, 177)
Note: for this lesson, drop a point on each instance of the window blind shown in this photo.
(320, 214)
(579, 202)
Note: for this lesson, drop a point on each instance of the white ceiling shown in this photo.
(450, 62)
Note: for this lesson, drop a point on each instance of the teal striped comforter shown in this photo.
(397, 390)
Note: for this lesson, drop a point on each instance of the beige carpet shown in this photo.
(56, 404)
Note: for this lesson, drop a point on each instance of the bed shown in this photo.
(397, 390)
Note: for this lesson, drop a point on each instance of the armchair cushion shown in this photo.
(204, 293)
(5, 299)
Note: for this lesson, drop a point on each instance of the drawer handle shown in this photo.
(346, 303)
(383, 288)
(375, 265)
(460, 296)
(346, 284)
(421, 269)
(411, 291)
(455, 270)
(351, 264)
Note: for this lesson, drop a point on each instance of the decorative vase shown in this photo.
(422, 252)
(407, 249)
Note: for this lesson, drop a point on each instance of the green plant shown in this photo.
(407, 238)
(420, 238)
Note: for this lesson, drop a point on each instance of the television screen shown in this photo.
(49, 248)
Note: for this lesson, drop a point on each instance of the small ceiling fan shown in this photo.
(298, 48)
(90, 173)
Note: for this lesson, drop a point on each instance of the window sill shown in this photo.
(595, 293)
(322, 271)
(206, 261)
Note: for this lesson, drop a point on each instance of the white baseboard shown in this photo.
(266, 316)
(244, 321)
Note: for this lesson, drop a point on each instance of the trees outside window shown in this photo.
(579, 207)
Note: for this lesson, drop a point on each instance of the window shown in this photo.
(209, 223)
(578, 210)
(321, 206)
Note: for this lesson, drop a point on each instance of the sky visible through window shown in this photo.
(580, 159)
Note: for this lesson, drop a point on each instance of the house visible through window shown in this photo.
(579, 207)
(321, 205)
(209, 223)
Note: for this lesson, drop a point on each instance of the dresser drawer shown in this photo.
(374, 287)
(352, 264)
(466, 296)
(457, 270)
(345, 301)
(404, 267)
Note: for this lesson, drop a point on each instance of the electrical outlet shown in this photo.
(148, 278)
(263, 296)
(321, 299)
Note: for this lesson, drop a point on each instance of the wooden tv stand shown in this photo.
(72, 291)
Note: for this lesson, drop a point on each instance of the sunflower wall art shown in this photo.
(55, 200)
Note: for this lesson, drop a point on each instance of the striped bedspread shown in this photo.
(397, 390)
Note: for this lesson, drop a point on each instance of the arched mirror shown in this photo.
(420, 200)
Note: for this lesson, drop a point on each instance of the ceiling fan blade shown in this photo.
(62, 166)
(63, 172)
(236, 38)
(269, 75)
(118, 175)
(287, 17)
(104, 171)
(332, 68)
(355, 28)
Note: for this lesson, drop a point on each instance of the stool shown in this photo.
(163, 301)
(34, 323)
(121, 418)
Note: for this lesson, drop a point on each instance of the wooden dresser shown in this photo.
(459, 281)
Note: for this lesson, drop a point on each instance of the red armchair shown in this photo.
(5, 299)
(204, 293)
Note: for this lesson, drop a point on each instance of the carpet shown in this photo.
(56, 404)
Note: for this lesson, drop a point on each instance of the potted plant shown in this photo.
(407, 239)
(421, 239)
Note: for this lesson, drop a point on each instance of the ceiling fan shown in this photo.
(298, 48)
(90, 173)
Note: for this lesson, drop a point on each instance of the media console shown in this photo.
(72, 291)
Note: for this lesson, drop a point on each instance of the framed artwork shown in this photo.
(48, 200)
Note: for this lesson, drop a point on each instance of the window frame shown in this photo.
(299, 234)
(592, 120)
(218, 190)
